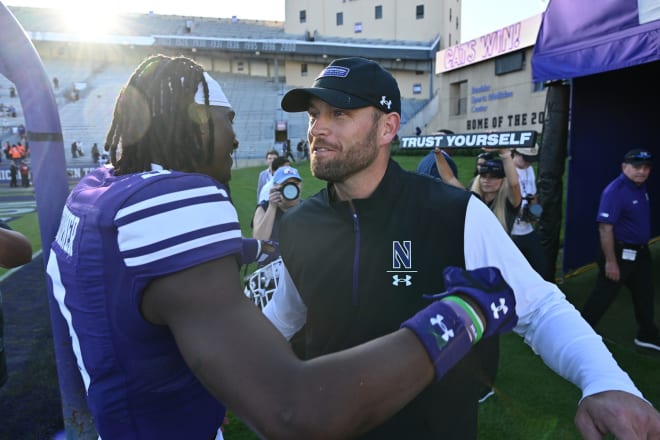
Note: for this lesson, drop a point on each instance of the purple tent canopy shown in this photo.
(610, 52)
(579, 38)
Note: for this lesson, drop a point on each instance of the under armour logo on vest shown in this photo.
(396, 280)
(385, 102)
(501, 308)
(447, 333)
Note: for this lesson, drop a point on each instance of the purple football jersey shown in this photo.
(117, 234)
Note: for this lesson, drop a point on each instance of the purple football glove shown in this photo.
(485, 288)
(449, 326)
(445, 330)
(261, 252)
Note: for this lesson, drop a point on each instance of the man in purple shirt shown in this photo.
(624, 226)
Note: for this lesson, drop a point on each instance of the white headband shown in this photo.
(216, 95)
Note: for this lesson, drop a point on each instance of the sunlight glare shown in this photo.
(89, 18)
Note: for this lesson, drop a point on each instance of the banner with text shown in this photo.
(502, 139)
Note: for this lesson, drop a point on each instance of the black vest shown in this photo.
(362, 267)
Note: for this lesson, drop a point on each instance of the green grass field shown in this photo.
(531, 402)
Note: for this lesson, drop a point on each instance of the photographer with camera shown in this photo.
(497, 185)
(284, 195)
(524, 233)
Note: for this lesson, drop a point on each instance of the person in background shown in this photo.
(13, 175)
(624, 258)
(284, 195)
(15, 250)
(267, 174)
(96, 154)
(17, 152)
(24, 170)
(305, 150)
(497, 185)
(74, 150)
(524, 233)
(428, 163)
(160, 326)
(278, 162)
(286, 150)
(360, 254)
(481, 159)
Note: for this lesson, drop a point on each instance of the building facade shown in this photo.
(485, 84)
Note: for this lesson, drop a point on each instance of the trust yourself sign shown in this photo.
(502, 139)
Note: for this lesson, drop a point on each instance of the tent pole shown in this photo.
(552, 158)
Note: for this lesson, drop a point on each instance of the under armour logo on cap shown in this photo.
(386, 102)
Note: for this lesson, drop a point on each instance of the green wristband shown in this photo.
(478, 324)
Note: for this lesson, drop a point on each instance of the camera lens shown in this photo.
(290, 191)
(536, 210)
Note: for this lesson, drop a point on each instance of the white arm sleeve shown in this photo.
(550, 325)
(286, 309)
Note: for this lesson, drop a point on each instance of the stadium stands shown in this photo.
(256, 99)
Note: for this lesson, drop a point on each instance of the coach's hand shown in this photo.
(625, 416)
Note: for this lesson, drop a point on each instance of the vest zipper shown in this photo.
(356, 252)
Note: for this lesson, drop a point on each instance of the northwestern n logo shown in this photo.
(402, 255)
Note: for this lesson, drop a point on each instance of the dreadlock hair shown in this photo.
(157, 121)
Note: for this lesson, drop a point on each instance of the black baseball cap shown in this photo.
(638, 157)
(349, 83)
(494, 167)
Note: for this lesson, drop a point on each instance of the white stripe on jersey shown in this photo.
(59, 292)
(163, 225)
(170, 197)
(183, 247)
(153, 231)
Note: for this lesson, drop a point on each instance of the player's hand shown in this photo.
(621, 414)
(485, 288)
(270, 251)
(450, 326)
(259, 251)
